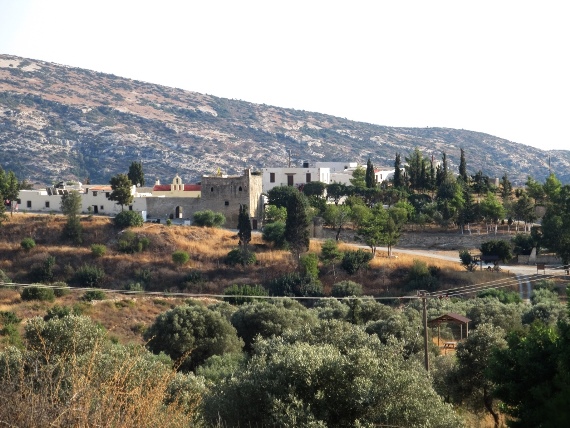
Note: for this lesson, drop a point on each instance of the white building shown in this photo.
(345, 176)
(294, 176)
(94, 199)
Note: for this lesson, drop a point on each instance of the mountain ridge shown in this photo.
(60, 122)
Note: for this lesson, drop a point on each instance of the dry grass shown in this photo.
(87, 391)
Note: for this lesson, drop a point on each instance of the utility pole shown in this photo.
(423, 295)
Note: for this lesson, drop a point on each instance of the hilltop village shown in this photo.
(178, 201)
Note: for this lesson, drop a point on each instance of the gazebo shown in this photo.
(450, 318)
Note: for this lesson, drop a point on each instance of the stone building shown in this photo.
(224, 194)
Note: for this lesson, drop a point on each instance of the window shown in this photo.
(47, 204)
(240, 189)
(29, 204)
(290, 180)
(272, 177)
(94, 192)
(227, 203)
(107, 195)
(308, 177)
(130, 207)
(19, 201)
(102, 207)
(211, 189)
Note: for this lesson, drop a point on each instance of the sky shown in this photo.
(498, 67)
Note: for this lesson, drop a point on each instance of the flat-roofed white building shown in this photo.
(94, 199)
(294, 176)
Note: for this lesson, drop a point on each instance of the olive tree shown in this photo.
(191, 334)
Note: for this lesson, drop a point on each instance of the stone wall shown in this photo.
(164, 208)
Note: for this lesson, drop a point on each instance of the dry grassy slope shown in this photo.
(77, 123)
(126, 316)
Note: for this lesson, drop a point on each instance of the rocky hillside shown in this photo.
(59, 122)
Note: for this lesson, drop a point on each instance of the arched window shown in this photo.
(240, 189)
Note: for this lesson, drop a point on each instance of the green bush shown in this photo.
(8, 317)
(43, 273)
(238, 257)
(310, 265)
(89, 276)
(27, 244)
(131, 243)
(208, 218)
(57, 311)
(134, 286)
(346, 289)
(38, 293)
(60, 289)
(274, 233)
(4, 277)
(243, 290)
(128, 219)
(94, 295)
(98, 250)
(295, 285)
(353, 261)
(180, 257)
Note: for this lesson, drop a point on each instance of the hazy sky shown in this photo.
(498, 67)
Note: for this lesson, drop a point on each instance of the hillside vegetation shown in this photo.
(79, 124)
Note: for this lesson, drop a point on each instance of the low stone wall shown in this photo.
(547, 259)
(448, 240)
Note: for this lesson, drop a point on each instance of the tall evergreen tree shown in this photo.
(414, 170)
(506, 187)
(297, 224)
(136, 174)
(463, 167)
(398, 178)
(370, 177)
(244, 228)
(71, 207)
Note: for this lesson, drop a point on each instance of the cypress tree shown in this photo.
(463, 167)
(297, 224)
(398, 179)
(370, 179)
(244, 227)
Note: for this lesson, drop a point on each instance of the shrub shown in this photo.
(239, 257)
(208, 218)
(128, 219)
(194, 277)
(131, 243)
(89, 276)
(57, 311)
(98, 250)
(353, 261)
(41, 293)
(44, 272)
(310, 265)
(243, 290)
(8, 317)
(94, 295)
(295, 285)
(192, 334)
(134, 286)
(346, 289)
(4, 277)
(274, 233)
(180, 257)
(27, 244)
(60, 289)
(467, 260)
